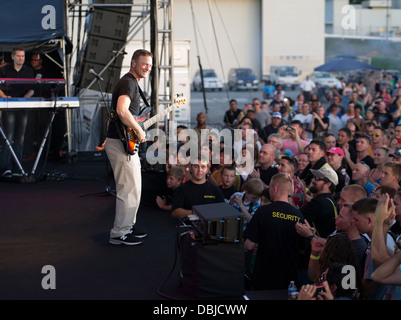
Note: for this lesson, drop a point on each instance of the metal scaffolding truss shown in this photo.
(153, 14)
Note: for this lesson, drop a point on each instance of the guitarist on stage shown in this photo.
(126, 101)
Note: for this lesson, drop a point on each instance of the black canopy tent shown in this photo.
(40, 26)
(35, 26)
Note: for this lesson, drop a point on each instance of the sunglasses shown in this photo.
(375, 134)
(320, 179)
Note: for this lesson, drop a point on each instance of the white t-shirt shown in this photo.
(307, 85)
(335, 124)
(306, 121)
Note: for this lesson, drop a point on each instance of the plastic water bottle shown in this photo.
(292, 291)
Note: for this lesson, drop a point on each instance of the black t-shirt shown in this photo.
(267, 131)
(368, 160)
(169, 195)
(320, 213)
(16, 90)
(46, 90)
(266, 175)
(228, 192)
(127, 85)
(307, 175)
(272, 227)
(384, 119)
(191, 194)
(230, 116)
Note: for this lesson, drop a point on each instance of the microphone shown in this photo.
(96, 75)
(122, 52)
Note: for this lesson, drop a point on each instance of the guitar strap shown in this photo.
(141, 93)
(143, 97)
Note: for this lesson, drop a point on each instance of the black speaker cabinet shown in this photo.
(211, 271)
(107, 35)
(219, 221)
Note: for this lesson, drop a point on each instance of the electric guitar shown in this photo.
(130, 141)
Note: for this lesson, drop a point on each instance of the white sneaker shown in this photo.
(128, 239)
(7, 174)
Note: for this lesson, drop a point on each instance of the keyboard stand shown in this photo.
(12, 152)
(42, 145)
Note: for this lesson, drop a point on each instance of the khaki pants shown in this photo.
(128, 179)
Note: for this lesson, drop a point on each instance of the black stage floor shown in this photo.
(62, 224)
(65, 224)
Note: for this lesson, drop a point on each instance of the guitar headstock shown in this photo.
(180, 100)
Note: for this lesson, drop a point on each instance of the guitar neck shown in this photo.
(157, 117)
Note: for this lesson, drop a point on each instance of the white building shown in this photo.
(371, 18)
(251, 33)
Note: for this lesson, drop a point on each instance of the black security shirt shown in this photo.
(273, 228)
(190, 194)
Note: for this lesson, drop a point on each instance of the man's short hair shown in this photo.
(320, 143)
(347, 132)
(379, 128)
(366, 137)
(357, 191)
(387, 189)
(202, 158)
(275, 135)
(365, 165)
(176, 172)
(395, 168)
(265, 194)
(365, 206)
(280, 179)
(291, 161)
(14, 50)
(327, 134)
(254, 186)
(141, 52)
(230, 168)
(370, 124)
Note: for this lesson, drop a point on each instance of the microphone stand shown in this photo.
(109, 190)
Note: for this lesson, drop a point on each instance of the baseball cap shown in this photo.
(396, 154)
(335, 150)
(276, 115)
(326, 172)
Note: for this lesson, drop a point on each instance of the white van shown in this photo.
(286, 76)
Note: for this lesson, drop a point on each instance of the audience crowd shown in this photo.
(322, 201)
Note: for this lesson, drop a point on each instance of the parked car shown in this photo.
(210, 80)
(393, 72)
(286, 76)
(242, 79)
(324, 79)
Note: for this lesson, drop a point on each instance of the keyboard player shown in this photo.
(14, 122)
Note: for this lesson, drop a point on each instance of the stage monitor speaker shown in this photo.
(111, 76)
(211, 271)
(218, 221)
(107, 35)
